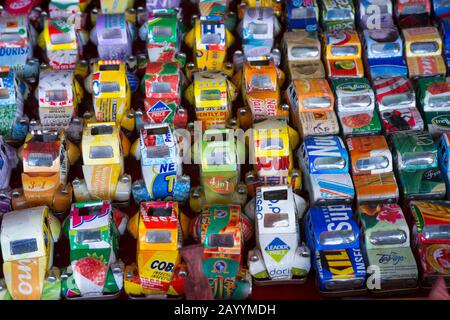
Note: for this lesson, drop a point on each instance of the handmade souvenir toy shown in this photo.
(445, 32)
(375, 14)
(416, 158)
(103, 147)
(372, 173)
(213, 7)
(27, 242)
(444, 158)
(337, 15)
(95, 271)
(69, 10)
(276, 5)
(413, 13)
(333, 238)
(8, 161)
(302, 15)
(324, 162)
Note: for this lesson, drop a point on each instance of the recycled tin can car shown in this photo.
(103, 147)
(213, 7)
(271, 145)
(387, 246)
(355, 106)
(431, 239)
(220, 155)
(302, 55)
(220, 229)
(384, 53)
(46, 158)
(113, 7)
(318, 124)
(372, 173)
(8, 161)
(338, 15)
(71, 10)
(413, 13)
(210, 40)
(423, 50)
(441, 9)
(324, 162)
(279, 256)
(445, 32)
(113, 35)
(416, 159)
(276, 5)
(333, 237)
(158, 272)
(162, 4)
(375, 14)
(302, 15)
(27, 241)
(95, 271)
(161, 164)
(212, 94)
(13, 93)
(444, 156)
(343, 54)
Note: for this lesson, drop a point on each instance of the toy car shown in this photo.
(68, 10)
(423, 50)
(219, 228)
(161, 164)
(114, 7)
(302, 15)
(355, 106)
(375, 14)
(212, 94)
(387, 246)
(372, 173)
(343, 54)
(157, 272)
(270, 146)
(46, 157)
(396, 101)
(95, 271)
(27, 242)
(59, 94)
(220, 156)
(384, 53)
(279, 255)
(13, 92)
(441, 9)
(333, 238)
(324, 162)
(443, 154)
(113, 36)
(8, 161)
(433, 96)
(445, 32)
(431, 239)
(213, 7)
(302, 55)
(416, 158)
(338, 15)
(163, 84)
(276, 5)
(311, 104)
(413, 13)
(210, 40)
(103, 147)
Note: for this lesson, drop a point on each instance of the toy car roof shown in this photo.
(55, 88)
(157, 144)
(430, 213)
(324, 147)
(408, 142)
(103, 135)
(424, 34)
(83, 217)
(224, 145)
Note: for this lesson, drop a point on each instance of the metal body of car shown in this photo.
(445, 32)
(27, 242)
(333, 238)
(372, 169)
(384, 53)
(423, 51)
(355, 106)
(431, 239)
(279, 254)
(337, 15)
(95, 271)
(387, 246)
(416, 158)
(161, 4)
(161, 164)
(213, 7)
(325, 168)
(103, 147)
(68, 10)
(343, 54)
(375, 14)
(413, 13)
(441, 9)
(444, 157)
(302, 15)
(302, 55)
(114, 7)
(8, 161)
(396, 102)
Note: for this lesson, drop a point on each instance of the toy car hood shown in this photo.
(384, 226)
(162, 27)
(260, 76)
(420, 42)
(410, 7)
(383, 43)
(258, 23)
(342, 45)
(157, 145)
(325, 155)
(41, 153)
(369, 155)
(431, 221)
(302, 45)
(302, 15)
(271, 139)
(354, 95)
(7, 87)
(210, 34)
(109, 79)
(394, 92)
(13, 32)
(111, 30)
(162, 80)
(158, 226)
(55, 88)
(220, 155)
(333, 8)
(210, 89)
(437, 96)
(89, 225)
(101, 144)
(311, 95)
(59, 35)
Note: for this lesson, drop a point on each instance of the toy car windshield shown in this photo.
(436, 232)
(89, 236)
(161, 87)
(373, 163)
(272, 144)
(258, 28)
(10, 37)
(221, 240)
(276, 220)
(210, 38)
(303, 13)
(210, 95)
(440, 101)
(47, 137)
(359, 101)
(414, 8)
(343, 51)
(391, 48)
(393, 100)
(262, 82)
(101, 152)
(90, 210)
(112, 33)
(316, 102)
(335, 284)
(329, 163)
(336, 238)
(275, 195)
(388, 237)
(418, 158)
(23, 246)
(40, 159)
(57, 95)
(4, 93)
(109, 86)
(339, 14)
(218, 158)
(158, 236)
(60, 38)
(101, 130)
(159, 212)
(304, 52)
(424, 47)
(160, 31)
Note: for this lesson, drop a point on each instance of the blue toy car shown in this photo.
(445, 33)
(444, 158)
(302, 15)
